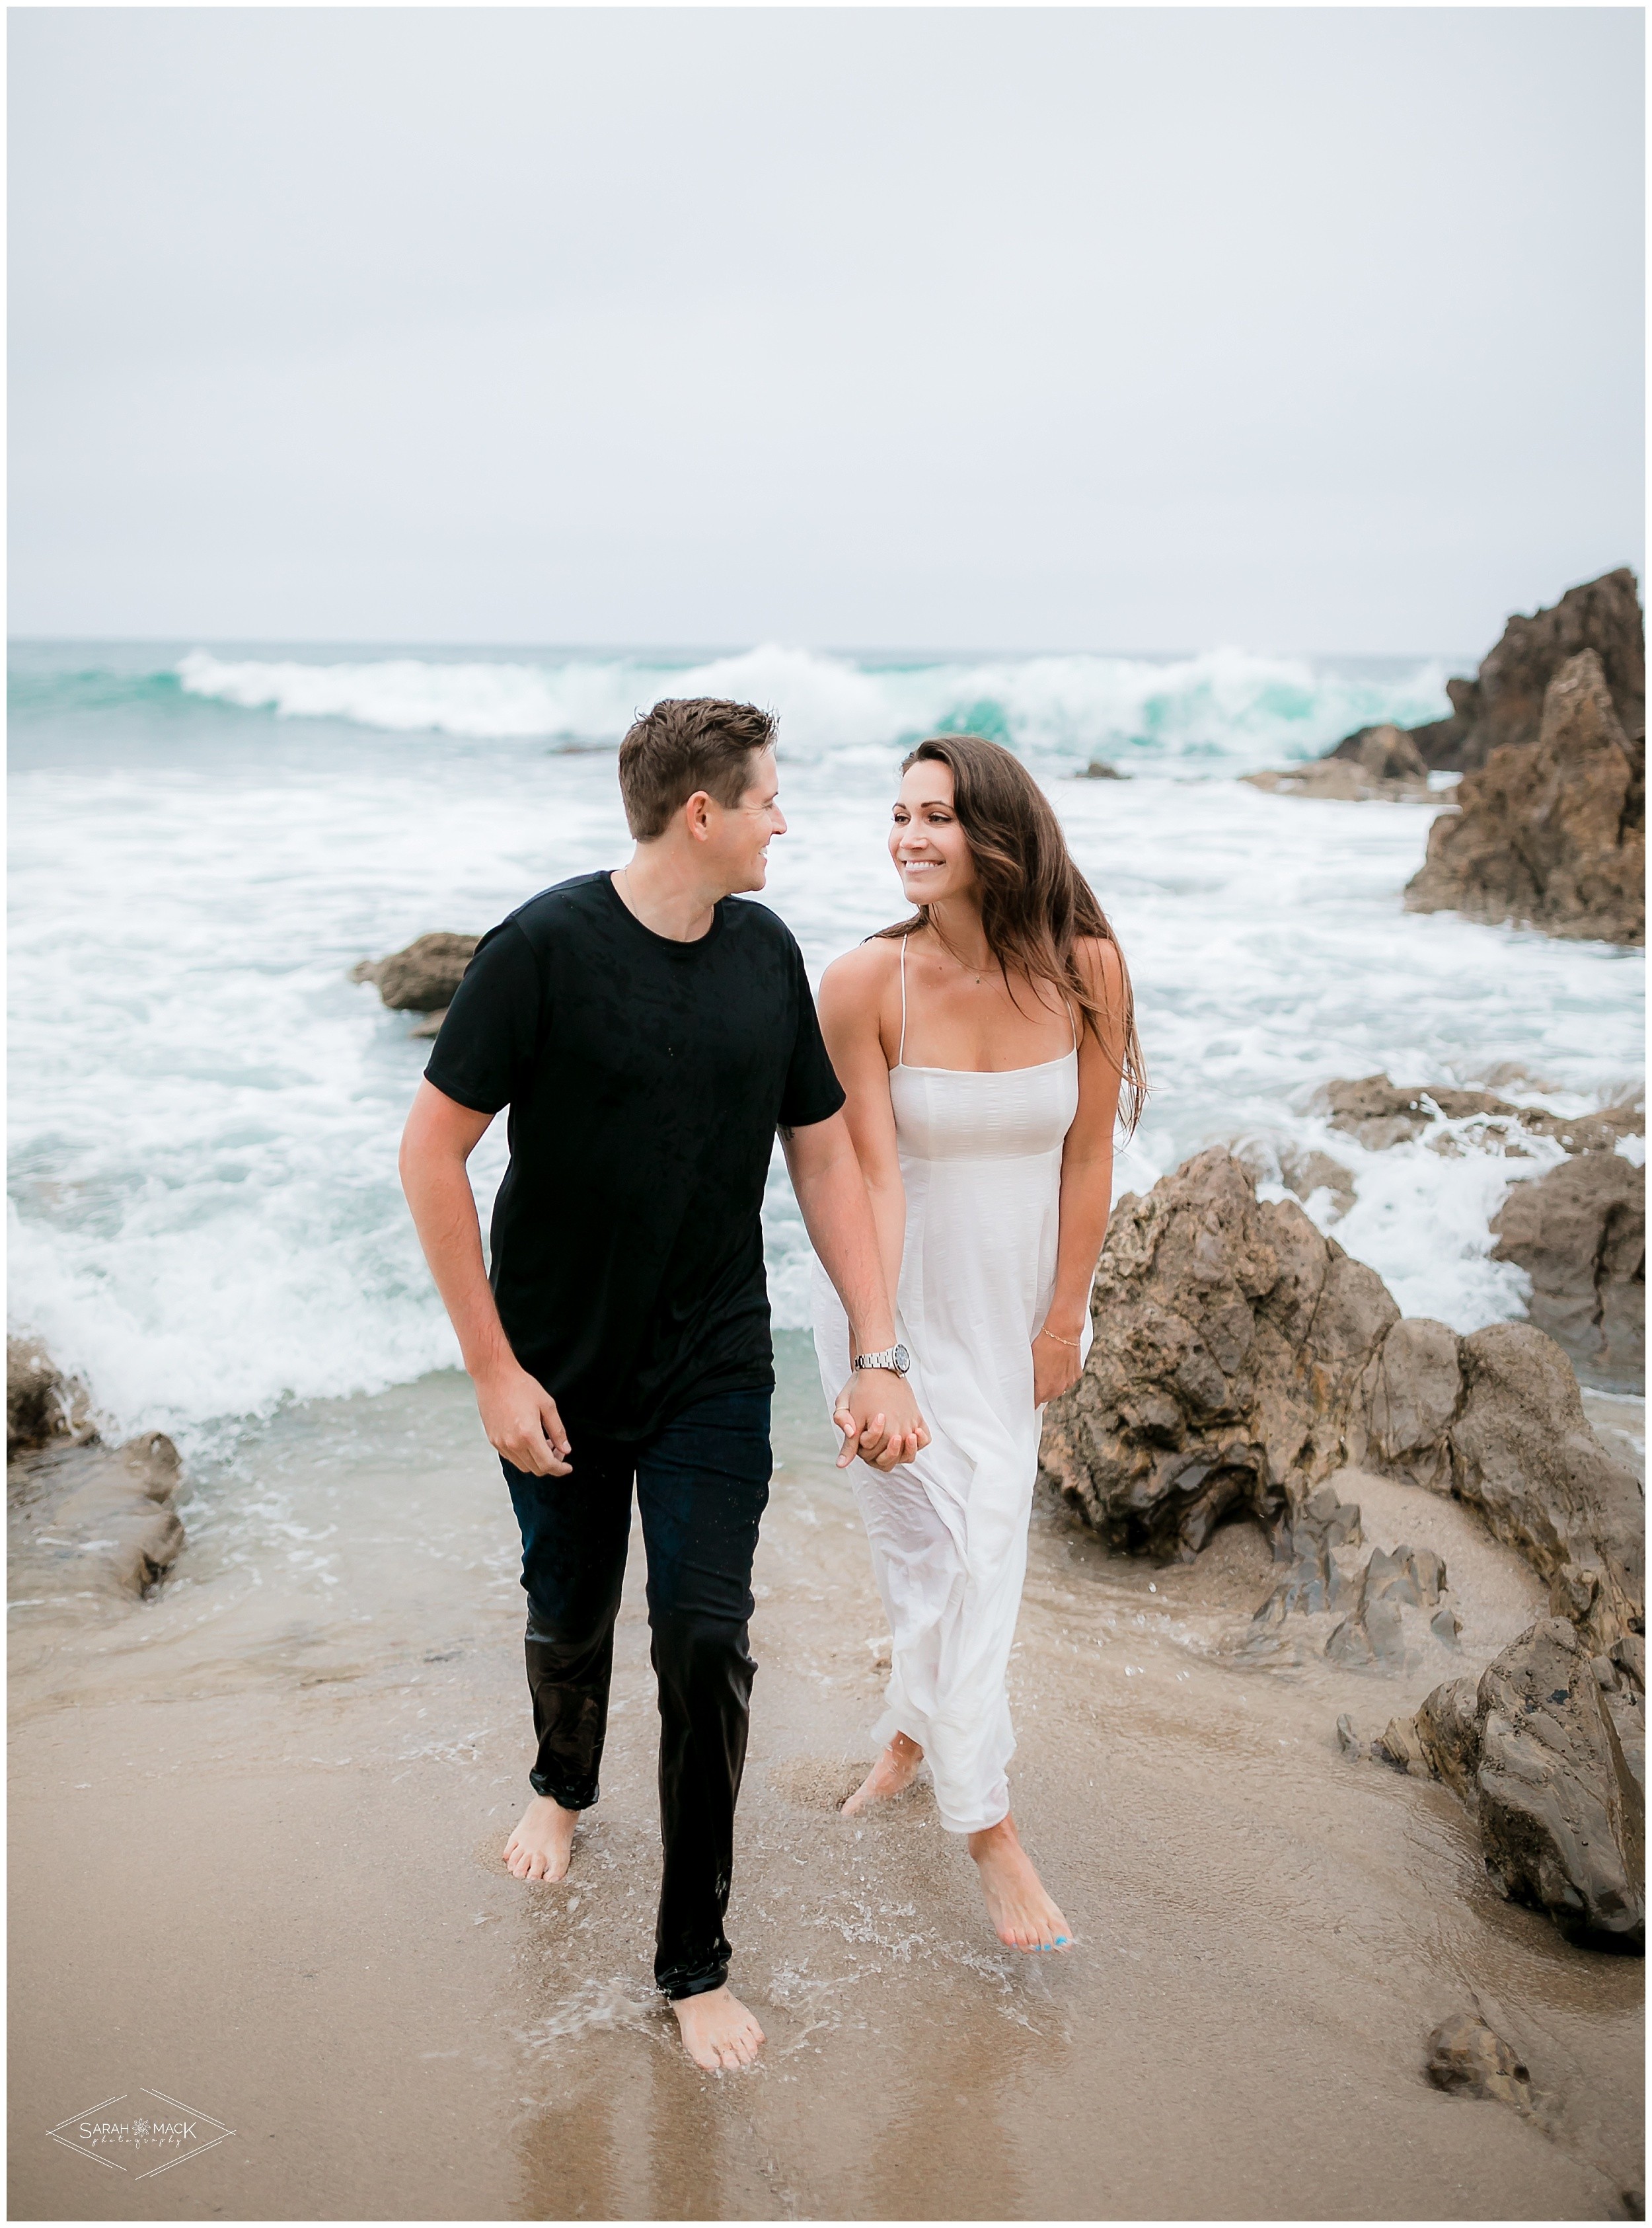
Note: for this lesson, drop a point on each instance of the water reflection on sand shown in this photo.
(256, 1826)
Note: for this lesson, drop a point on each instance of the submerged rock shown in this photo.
(1468, 2058)
(1374, 1633)
(1562, 1820)
(42, 1403)
(1503, 706)
(1379, 1114)
(78, 1509)
(1547, 1749)
(423, 977)
(1551, 833)
(1386, 766)
(1579, 1233)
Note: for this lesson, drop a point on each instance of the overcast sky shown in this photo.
(1086, 328)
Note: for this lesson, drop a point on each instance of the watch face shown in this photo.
(903, 1360)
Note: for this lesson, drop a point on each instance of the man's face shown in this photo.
(740, 834)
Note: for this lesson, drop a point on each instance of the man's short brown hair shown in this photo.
(685, 744)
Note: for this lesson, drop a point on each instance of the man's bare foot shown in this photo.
(543, 1842)
(895, 1771)
(718, 2031)
(1023, 1914)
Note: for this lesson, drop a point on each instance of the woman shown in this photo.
(982, 1044)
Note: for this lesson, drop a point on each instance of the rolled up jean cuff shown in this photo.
(578, 1795)
(676, 1989)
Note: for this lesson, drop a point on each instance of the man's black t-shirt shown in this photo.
(645, 1080)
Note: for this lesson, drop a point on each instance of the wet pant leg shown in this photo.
(702, 1484)
(574, 1532)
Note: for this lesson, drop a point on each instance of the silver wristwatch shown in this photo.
(891, 1357)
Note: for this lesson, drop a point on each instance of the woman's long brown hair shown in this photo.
(1035, 903)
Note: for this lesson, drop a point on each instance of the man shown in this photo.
(649, 1037)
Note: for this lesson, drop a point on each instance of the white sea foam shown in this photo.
(1227, 704)
(206, 1217)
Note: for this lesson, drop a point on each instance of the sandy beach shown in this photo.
(254, 1833)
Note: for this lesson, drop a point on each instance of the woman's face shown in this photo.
(931, 852)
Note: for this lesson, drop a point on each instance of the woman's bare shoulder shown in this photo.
(1100, 962)
(861, 975)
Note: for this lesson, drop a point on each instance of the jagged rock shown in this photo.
(1306, 1543)
(1379, 1114)
(1230, 1340)
(1562, 1820)
(42, 1403)
(1374, 1632)
(1523, 1454)
(1386, 769)
(1551, 833)
(1504, 705)
(422, 977)
(1270, 1156)
(1239, 1357)
(1447, 1728)
(1547, 1749)
(1415, 1392)
(1466, 2058)
(1579, 1232)
(76, 1506)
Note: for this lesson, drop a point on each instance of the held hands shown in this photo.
(520, 1419)
(1057, 1365)
(878, 1415)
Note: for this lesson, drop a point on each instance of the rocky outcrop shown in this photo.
(1547, 1749)
(1231, 1344)
(42, 1403)
(1503, 706)
(1523, 1455)
(1385, 765)
(422, 977)
(1379, 1114)
(1579, 1232)
(87, 1515)
(1240, 1357)
(1099, 770)
(1550, 833)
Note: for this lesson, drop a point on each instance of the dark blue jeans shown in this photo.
(702, 1484)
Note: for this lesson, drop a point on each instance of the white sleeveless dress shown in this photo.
(981, 1162)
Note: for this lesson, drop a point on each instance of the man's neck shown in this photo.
(660, 886)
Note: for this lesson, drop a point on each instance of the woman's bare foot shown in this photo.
(718, 2032)
(543, 1842)
(1023, 1914)
(895, 1771)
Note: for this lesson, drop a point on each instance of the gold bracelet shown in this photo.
(1075, 1343)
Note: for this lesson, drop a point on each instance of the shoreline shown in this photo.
(315, 1942)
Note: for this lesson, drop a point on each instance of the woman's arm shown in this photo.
(1087, 1177)
(852, 993)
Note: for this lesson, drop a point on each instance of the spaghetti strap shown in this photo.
(901, 1057)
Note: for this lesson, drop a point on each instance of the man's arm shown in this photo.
(826, 1176)
(518, 1414)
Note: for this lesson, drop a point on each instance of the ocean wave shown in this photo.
(1226, 704)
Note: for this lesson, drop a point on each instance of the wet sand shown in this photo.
(254, 1835)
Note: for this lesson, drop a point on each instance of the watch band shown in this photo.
(890, 1357)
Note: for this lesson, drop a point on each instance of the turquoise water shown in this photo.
(204, 1215)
